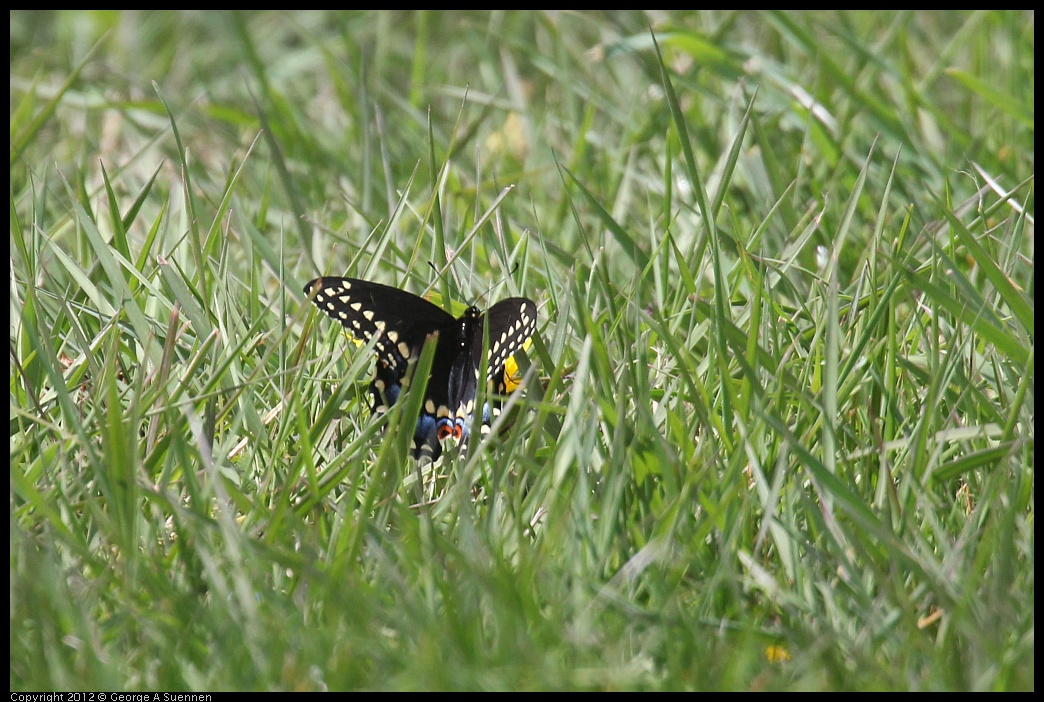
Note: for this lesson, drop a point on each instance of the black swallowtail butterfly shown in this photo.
(401, 321)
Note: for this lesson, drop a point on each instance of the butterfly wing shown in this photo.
(400, 320)
(511, 323)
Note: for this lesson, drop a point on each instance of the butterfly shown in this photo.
(401, 322)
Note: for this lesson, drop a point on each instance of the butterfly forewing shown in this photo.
(399, 319)
(511, 323)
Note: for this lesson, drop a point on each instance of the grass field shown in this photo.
(776, 431)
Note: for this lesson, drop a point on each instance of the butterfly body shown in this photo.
(401, 322)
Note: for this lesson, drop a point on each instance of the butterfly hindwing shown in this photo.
(400, 322)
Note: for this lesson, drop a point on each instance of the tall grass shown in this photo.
(777, 425)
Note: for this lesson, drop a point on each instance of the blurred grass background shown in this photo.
(777, 430)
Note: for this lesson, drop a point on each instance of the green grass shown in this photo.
(778, 427)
